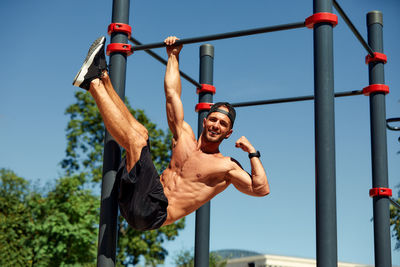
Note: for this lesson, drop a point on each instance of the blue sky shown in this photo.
(45, 42)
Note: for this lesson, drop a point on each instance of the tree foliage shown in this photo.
(14, 236)
(39, 228)
(395, 213)
(395, 221)
(185, 258)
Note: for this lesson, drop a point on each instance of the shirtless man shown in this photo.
(197, 171)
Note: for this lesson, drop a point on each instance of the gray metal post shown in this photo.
(325, 165)
(112, 153)
(379, 145)
(202, 236)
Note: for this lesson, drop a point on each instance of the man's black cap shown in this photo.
(231, 111)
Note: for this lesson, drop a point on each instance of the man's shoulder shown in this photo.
(238, 166)
(234, 161)
(185, 141)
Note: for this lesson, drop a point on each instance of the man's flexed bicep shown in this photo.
(246, 183)
(173, 88)
(256, 183)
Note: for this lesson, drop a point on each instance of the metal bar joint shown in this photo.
(120, 27)
(380, 192)
(378, 57)
(203, 106)
(206, 88)
(119, 48)
(376, 88)
(321, 17)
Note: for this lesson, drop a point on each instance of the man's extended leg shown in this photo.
(121, 105)
(128, 132)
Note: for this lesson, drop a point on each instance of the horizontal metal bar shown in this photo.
(163, 61)
(353, 28)
(291, 99)
(224, 35)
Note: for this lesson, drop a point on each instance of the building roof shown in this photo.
(236, 253)
(239, 258)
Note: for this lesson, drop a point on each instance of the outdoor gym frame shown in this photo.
(322, 23)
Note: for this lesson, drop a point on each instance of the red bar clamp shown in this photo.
(380, 192)
(374, 88)
(206, 88)
(117, 47)
(203, 106)
(120, 27)
(321, 17)
(378, 57)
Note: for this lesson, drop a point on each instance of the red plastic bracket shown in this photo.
(380, 192)
(206, 88)
(378, 57)
(117, 47)
(321, 17)
(374, 88)
(120, 27)
(203, 106)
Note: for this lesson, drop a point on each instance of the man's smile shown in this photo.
(213, 132)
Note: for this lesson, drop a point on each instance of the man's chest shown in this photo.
(203, 167)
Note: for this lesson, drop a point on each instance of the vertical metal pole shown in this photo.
(325, 164)
(112, 153)
(379, 144)
(202, 236)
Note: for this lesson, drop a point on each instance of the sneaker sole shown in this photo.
(94, 48)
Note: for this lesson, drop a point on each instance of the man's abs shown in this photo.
(191, 183)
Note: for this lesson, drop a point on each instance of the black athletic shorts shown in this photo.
(141, 195)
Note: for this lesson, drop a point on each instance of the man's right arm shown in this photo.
(255, 184)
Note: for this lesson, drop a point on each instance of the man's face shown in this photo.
(217, 127)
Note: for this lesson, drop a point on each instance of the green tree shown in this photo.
(85, 136)
(395, 221)
(39, 228)
(185, 258)
(394, 210)
(14, 216)
(64, 224)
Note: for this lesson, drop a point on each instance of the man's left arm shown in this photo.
(255, 184)
(173, 89)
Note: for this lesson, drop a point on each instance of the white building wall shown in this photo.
(280, 261)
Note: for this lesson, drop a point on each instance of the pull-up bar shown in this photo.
(291, 99)
(224, 35)
(256, 31)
